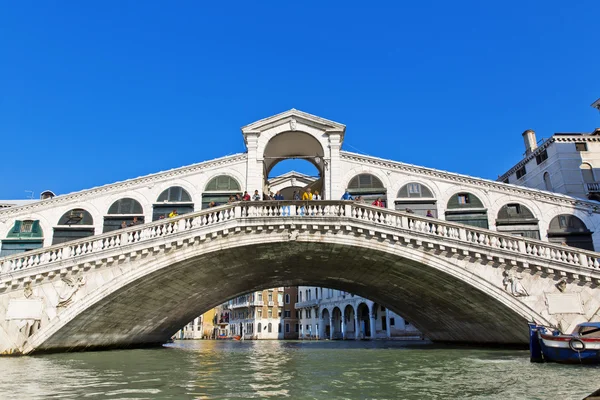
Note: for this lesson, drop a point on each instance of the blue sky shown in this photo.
(93, 93)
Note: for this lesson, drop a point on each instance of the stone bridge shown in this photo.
(137, 286)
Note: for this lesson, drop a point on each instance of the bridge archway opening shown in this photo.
(172, 199)
(74, 224)
(368, 187)
(518, 220)
(349, 320)
(468, 209)
(570, 230)
(126, 210)
(294, 151)
(417, 198)
(219, 190)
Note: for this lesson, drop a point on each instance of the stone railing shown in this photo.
(306, 303)
(593, 187)
(334, 213)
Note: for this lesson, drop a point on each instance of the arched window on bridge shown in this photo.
(218, 189)
(173, 198)
(466, 208)
(369, 187)
(74, 224)
(125, 210)
(517, 220)
(417, 198)
(25, 235)
(570, 230)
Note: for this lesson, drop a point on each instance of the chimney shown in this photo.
(530, 141)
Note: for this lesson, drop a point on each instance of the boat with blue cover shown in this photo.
(582, 346)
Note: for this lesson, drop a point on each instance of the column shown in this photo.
(343, 328)
(331, 326)
(356, 327)
(334, 189)
(254, 166)
(387, 324)
(372, 324)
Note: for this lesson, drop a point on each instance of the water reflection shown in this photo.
(308, 370)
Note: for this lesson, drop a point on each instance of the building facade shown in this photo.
(266, 314)
(335, 314)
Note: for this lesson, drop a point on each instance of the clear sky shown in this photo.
(97, 92)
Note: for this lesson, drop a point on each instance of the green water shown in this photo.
(295, 370)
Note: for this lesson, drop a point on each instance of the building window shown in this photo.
(297, 314)
(463, 199)
(259, 313)
(547, 181)
(260, 297)
(279, 327)
(414, 188)
(287, 328)
(300, 314)
(392, 321)
(287, 314)
(543, 156)
(270, 297)
(581, 146)
(270, 314)
(27, 226)
(521, 172)
(279, 313)
(287, 299)
(297, 328)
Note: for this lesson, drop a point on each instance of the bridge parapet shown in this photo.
(429, 232)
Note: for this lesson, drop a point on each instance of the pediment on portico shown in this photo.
(294, 120)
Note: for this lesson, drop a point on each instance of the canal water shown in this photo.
(294, 370)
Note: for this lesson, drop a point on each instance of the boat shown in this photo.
(582, 346)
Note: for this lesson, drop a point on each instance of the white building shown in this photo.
(334, 314)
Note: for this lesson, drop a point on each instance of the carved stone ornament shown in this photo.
(512, 284)
(562, 284)
(28, 291)
(293, 124)
(71, 287)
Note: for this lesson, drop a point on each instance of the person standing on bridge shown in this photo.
(173, 213)
(378, 203)
(256, 196)
(316, 196)
(246, 196)
(307, 195)
(347, 196)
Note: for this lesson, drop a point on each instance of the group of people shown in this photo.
(134, 222)
(297, 195)
(359, 199)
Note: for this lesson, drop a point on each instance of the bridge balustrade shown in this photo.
(339, 211)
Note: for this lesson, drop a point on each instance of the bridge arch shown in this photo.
(219, 187)
(517, 219)
(417, 197)
(402, 278)
(77, 223)
(361, 169)
(551, 214)
(369, 187)
(123, 209)
(468, 208)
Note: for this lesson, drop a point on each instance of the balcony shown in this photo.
(593, 187)
(271, 304)
(257, 303)
(307, 303)
(240, 305)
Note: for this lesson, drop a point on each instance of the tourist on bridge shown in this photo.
(347, 196)
(307, 195)
(296, 195)
(123, 225)
(378, 203)
(173, 213)
(316, 196)
(246, 196)
(429, 214)
(256, 196)
(278, 196)
(134, 222)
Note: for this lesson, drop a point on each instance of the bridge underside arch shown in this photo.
(151, 308)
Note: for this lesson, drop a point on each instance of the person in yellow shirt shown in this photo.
(173, 214)
(307, 195)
